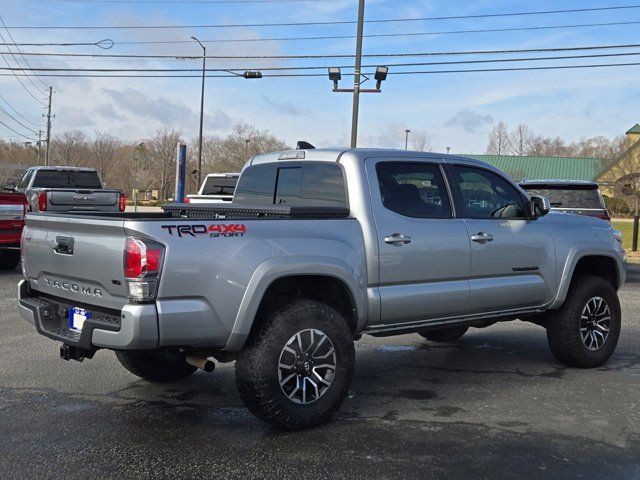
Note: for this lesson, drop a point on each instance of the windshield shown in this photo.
(219, 186)
(67, 179)
(569, 197)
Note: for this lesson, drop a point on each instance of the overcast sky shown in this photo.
(455, 110)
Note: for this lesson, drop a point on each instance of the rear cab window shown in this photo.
(219, 186)
(569, 196)
(317, 184)
(67, 179)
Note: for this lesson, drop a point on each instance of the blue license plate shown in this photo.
(77, 317)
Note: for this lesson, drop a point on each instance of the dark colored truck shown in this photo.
(67, 189)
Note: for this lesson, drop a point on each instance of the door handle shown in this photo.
(482, 237)
(397, 239)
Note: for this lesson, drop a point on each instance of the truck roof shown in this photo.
(335, 154)
(57, 167)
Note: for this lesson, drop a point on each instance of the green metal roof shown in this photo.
(545, 168)
(634, 129)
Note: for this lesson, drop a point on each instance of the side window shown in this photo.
(24, 181)
(288, 185)
(487, 195)
(413, 189)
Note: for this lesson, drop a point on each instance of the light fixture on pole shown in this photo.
(204, 69)
(335, 75)
(381, 75)
(406, 139)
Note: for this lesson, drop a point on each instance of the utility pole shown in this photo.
(46, 159)
(406, 139)
(204, 69)
(39, 144)
(356, 77)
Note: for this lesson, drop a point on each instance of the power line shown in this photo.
(343, 37)
(322, 67)
(371, 55)
(2, 54)
(293, 75)
(17, 112)
(16, 132)
(16, 120)
(334, 22)
(133, 2)
(16, 47)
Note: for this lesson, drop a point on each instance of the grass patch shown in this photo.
(627, 233)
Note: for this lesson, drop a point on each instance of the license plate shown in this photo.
(77, 317)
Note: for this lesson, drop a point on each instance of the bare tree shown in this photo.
(625, 172)
(420, 142)
(520, 140)
(499, 141)
(229, 154)
(161, 154)
(70, 149)
(104, 149)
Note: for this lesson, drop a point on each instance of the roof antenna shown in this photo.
(302, 145)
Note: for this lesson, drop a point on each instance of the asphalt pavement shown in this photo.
(494, 405)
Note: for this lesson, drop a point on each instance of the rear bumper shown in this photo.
(135, 327)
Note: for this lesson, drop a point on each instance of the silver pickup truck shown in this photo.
(67, 189)
(318, 248)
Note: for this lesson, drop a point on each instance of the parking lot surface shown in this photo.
(494, 405)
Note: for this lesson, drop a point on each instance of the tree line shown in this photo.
(522, 141)
(146, 164)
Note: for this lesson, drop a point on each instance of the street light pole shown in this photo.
(204, 68)
(356, 77)
(406, 139)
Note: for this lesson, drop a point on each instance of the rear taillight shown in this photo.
(142, 264)
(187, 200)
(42, 201)
(123, 202)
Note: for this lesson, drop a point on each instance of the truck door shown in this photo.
(512, 256)
(424, 249)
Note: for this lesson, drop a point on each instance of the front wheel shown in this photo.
(296, 369)
(584, 332)
(156, 366)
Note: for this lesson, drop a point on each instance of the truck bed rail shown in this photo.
(231, 211)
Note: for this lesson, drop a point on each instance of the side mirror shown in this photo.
(9, 186)
(540, 206)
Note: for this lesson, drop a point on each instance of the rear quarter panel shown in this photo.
(212, 283)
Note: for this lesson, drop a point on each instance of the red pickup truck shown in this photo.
(13, 207)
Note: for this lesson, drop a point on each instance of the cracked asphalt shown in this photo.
(494, 405)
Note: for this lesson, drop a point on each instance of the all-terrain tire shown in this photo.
(445, 335)
(566, 326)
(9, 259)
(259, 371)
(156, 366)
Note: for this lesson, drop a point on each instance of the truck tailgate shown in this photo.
(83, 200)
(79, 259)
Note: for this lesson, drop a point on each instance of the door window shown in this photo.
(487, 195)
(413, 189)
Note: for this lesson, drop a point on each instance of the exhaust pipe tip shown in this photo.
(201, 363)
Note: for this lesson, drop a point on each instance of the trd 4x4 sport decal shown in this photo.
(213, 230)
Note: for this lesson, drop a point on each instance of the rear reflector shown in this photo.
(123, 202)
(187, 200)
(42, 201)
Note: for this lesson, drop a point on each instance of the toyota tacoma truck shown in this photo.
(318, 248)
(67, 189)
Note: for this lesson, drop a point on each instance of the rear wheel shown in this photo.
(445, 335)
(156, 366)
(584, 332)
(296, 369)
(9, 259)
